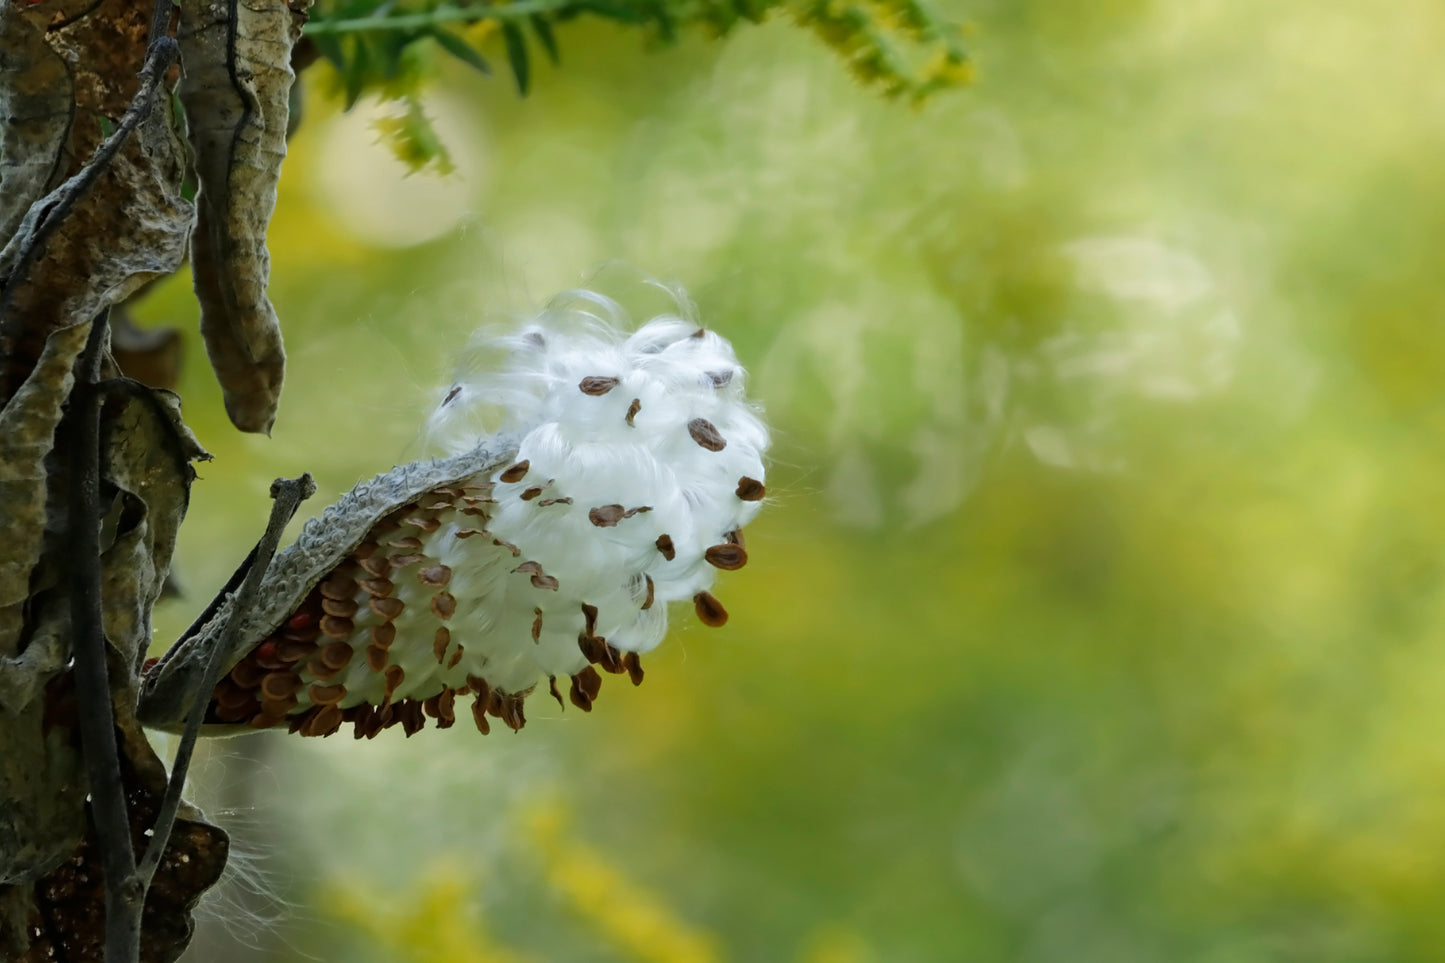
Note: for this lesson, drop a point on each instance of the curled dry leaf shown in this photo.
(235, 82)
(94, 237)
(37, 103)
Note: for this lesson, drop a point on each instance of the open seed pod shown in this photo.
(622, 473)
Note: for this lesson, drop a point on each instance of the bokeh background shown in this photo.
(1096, 613)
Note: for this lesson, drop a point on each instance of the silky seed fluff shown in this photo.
(639, 462)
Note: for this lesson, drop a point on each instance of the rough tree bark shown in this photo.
(95, 468)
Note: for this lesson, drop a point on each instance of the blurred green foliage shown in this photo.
(1098, 612)
(899, 47)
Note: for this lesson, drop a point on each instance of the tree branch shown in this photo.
(288, 494)
(92, 679)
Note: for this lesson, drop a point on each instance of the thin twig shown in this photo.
(92, 683)
(288, 493)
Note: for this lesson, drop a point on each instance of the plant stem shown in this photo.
(413, 21)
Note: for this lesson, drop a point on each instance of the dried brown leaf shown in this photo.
(235, 82)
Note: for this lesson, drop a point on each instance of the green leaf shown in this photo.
(460, 49)
(330, 47)
(357, 75)
(548, 40)
(517, 54)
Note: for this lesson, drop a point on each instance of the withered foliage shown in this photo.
(93, 160)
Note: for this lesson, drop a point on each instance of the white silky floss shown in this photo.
(641, 455)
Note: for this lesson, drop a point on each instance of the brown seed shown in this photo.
(320, 670)
(596, 385)
(709, 609)
(335, 627)
(247, 674)
(413, 720)
(735, 537)
(726, 557)
(592, 647)
(554, 501)
(633, 663)
(364, 550)
(443, 605)
(699, 333)
(435, 575)
(456, 656)
(440, 505)
(429, 705)
(537, 625)
(363, 720)
(308, 632)
(394, 677)
(378, 587)
(341, 608)
(552, 688)
(590, 681)
(479, 715)
(325, 722)
(387, 608)
(279, 685)
(479, 685)
(446, 709)
(402, 561)
(264, 655)
(410, 543)
(299, 721)
(611, 660)
(647, 602)
(336, 655)
(750, 489)
(605, 516)
(720, 379)
(278, 705)
(376, 658)
(424, 522)
(265, 720)
(440, 641)
(533, 492)
(503, 543)
(469, 532)
(377, 565)
(291, 651)
(632, 411)
(326, 695)
(529, 568)
(517, 472)
(589, 615)
(337, 587)
(705, 433)
(231, 696)
(665, 546)
(241, 713)
(545, 582)
(383, 635)
(512, 713)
